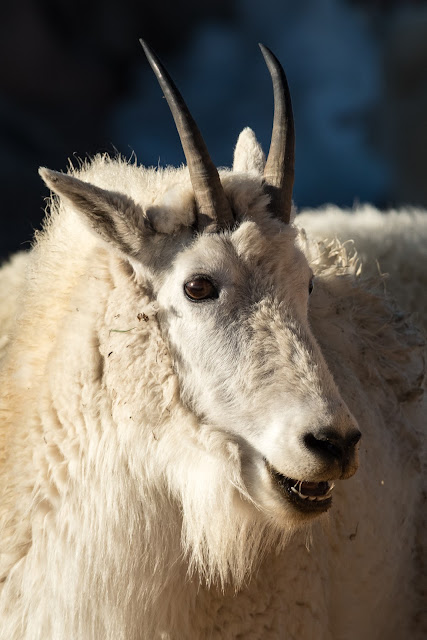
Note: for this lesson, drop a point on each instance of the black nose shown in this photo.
(332, 446)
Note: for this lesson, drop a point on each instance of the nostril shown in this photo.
(352, 440)
(333, 447)
(330, 446)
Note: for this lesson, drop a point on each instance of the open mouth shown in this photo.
(313, 497)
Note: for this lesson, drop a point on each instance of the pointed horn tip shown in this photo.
(144, 45)
(266, 52)
(150, 55)
(270, 58)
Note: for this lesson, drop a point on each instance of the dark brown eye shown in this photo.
(200, 289)
(311, 285)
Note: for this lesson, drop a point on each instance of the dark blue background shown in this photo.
(74, 81)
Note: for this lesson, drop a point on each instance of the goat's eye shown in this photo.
(311, 285)
(200, 289)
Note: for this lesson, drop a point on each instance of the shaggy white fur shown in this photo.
(392, 243)
(12, 277)
(135, 502)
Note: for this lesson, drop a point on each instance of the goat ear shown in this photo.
(113, 216)
(248, 154)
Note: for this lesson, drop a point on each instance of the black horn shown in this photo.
(214, 211)
(279, 168)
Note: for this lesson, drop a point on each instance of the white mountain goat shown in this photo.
(175, 412)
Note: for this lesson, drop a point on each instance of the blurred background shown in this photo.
(74, 82)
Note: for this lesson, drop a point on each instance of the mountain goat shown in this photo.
(175, 413)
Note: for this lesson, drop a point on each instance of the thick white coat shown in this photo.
(125, 516)
(392, 243)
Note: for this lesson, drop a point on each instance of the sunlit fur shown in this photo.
(135, 502)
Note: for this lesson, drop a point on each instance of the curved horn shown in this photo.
(214, 211)
(279, 168)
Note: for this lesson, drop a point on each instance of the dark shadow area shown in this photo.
(74, 82)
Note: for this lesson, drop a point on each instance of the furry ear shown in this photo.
(248, 154)
(113, 216)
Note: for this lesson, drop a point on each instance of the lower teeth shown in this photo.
(312, 498)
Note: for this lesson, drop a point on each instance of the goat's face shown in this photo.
(232, 289)
(234, 308)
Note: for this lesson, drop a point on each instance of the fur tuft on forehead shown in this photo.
(271, 238)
